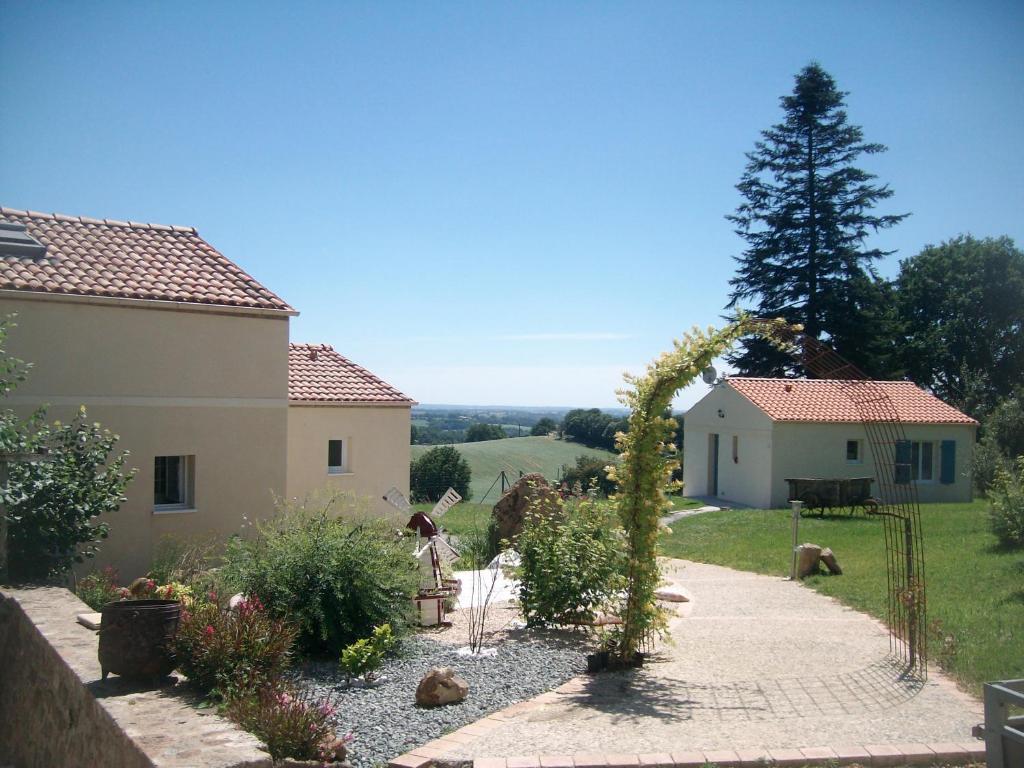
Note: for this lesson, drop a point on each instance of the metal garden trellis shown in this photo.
(899, 507)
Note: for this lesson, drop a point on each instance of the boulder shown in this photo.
(529, 493)
(830, 562)
(441, 686)
(808, 556)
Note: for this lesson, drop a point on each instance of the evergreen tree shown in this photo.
(805, 218)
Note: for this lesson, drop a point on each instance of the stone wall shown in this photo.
(55, 710)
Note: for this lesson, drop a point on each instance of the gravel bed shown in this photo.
(385, 720)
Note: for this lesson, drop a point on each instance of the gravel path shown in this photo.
(386, 721)
(756, 663)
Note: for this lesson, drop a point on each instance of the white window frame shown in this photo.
(186, 482)
(917, 462)
(860, 452)
(341, 469)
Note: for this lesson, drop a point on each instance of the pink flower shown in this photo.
(150, 584)
(208, 631)
(326, 709)
(212, 596)
(312, 726)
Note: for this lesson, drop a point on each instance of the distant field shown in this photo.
(520, 454)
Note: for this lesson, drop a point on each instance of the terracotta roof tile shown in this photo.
(826, 400)
(128, 260)
(317, 373)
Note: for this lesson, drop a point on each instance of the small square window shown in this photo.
(853, 452)
(335, 456)
(173, 483)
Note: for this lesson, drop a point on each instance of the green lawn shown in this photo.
(463, 518)
(519, 454)
(975, 589)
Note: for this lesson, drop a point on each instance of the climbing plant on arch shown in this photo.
(644, 469)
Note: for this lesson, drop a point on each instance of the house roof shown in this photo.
(316, 373)
(828, 400)
(127, 260)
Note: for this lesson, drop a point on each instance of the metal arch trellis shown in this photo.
(898, 502)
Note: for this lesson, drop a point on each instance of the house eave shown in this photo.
(159, 304)
(352, 403)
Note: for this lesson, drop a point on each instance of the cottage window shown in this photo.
(335, 457)
(853, 452)
(735, 449)
(915, 460)
(173, 483)
(922, 462)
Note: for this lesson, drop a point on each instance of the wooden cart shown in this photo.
(846, 494)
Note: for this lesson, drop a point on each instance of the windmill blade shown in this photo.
(397, 499)
(446, 502)
(445, 551)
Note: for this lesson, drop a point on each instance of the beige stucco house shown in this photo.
(175, 348)
(748, 435)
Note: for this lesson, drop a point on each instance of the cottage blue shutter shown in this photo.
(947, 474)
(904, 457)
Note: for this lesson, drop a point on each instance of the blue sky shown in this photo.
(495, 203)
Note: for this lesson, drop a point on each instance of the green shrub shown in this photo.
(335, 578)
(1006, 505)
(436, 471)
(232, 653)
(290, 722)
(572, 566)
(589, 472)
(99, 588)
(364, 657)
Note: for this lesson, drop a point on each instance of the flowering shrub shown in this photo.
(99, 588)
(364, 656)
(291, 724)
(229, 653)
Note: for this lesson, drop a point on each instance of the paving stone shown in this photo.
(883, 755)
(656, 760)
(688, 759)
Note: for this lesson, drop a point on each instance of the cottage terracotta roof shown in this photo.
(316, 373)
(127, 260)
(827, 400)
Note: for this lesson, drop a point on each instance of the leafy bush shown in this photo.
(99, 588)
(1006, 505)
(335, 578)
(436, 471)
(184, 560)
(291, 723)
(572, 566)
(364, 657)
(231, 653)
(589, 472)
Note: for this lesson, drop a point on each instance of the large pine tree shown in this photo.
(805, 218)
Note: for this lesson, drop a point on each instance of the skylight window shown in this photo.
(15, 241)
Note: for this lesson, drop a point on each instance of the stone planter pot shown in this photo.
(136, 637)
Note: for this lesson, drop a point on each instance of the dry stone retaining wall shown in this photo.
(55, 710)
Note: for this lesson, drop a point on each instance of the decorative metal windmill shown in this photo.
(431, 549)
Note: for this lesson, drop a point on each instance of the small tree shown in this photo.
(436, 471)
(544, 427)
(53, 507)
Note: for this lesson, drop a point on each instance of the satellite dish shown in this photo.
(709, 375)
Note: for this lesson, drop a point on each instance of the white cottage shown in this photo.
(747, 435)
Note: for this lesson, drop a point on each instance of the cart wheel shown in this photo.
(871, 506)
(811, 502)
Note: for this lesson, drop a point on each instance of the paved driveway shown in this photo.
(755, 663)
